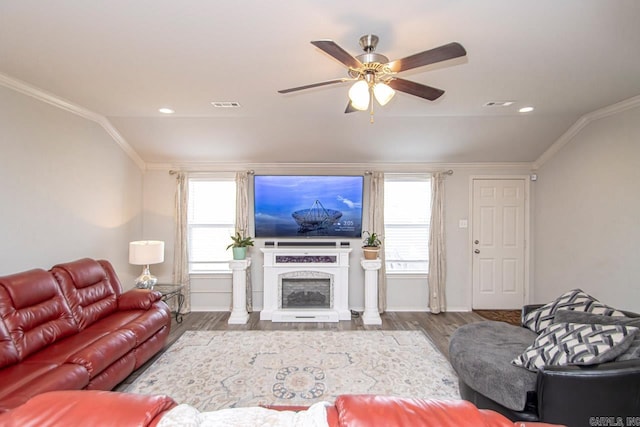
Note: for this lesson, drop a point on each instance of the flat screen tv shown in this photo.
(308, 206)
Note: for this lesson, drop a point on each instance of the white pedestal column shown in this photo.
(371, 316)
(239, 314)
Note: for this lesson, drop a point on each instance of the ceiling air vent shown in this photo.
(226, 104)
(498, 103)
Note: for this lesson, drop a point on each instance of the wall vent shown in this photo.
(226, 104)
(498, 103)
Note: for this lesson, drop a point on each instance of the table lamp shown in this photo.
(146, 252)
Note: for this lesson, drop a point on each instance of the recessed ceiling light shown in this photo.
(166, 110)
(526, 109)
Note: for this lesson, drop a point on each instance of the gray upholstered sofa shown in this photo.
(481, 354)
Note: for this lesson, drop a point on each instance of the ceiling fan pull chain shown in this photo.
(371, 98)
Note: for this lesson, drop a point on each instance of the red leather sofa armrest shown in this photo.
(88, 408)
(138, 299)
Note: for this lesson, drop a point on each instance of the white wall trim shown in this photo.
(581, 123)
(291, 167)
(459, 309)
(56, 101)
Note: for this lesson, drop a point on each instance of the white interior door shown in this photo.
(498, 243)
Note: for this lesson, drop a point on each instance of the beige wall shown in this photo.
(587, 216)
(67, 190)
(404, 294)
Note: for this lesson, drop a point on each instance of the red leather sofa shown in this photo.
(73, 328)
(91, 408)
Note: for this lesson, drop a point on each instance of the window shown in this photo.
(407, 213)
(211, 220)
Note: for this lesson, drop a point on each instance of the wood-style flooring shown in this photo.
(438, 327)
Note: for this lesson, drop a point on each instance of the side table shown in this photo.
(170, 291)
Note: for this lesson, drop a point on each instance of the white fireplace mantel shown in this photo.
(282, 262)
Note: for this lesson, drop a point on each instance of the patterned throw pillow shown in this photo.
(576, 299)
(571, 316)
(576, 344)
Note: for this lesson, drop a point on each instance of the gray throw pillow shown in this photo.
(576, 344)
(576, 299)
(570, 316)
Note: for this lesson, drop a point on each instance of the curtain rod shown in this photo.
(252, 172)
(173, 172)
(448, 172)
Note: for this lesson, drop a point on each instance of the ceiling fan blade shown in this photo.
(328, 82)
(416, 89)
(438, 54)
(330, 47)
(349, 108)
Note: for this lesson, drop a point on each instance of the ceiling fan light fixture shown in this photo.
(383, 93)
(359, 95)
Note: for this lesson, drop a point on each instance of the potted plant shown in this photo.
(239, 245)
(372, 244)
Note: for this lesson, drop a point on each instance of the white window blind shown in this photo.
(407, 213)
(211, 221)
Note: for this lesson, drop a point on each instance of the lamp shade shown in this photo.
(359, 95)
(383, 93)
(145, 252)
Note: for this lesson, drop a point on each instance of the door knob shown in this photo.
(476, 241)
(477, 251)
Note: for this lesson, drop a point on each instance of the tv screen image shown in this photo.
(308, 206)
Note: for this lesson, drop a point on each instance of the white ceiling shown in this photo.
(124, 59)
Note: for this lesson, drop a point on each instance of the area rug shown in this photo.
(224, 369)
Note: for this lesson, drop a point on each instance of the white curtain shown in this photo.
(376, 224)
(437, 255)
(181, 253)
(242, 224)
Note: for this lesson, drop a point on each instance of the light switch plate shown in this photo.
(463, 223)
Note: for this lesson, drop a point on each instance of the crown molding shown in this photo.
(581, 123)
(56, 101)
(347, 167)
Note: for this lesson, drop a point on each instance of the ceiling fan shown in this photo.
(375, 76)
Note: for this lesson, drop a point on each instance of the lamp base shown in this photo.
(146, 280)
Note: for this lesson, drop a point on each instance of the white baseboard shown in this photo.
(408, 309)
(205, 309)
(459, 309)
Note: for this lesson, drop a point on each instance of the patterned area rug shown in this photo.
(224, 369)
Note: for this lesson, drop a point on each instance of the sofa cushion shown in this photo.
(114, 374)
(34, 311)
(26, 380)
(114, 281)
(388, 411)
(570, 316)
(576, 344)
(8, 350)
(481, 353)
(100, 354)
(86, 286)
(538, 320)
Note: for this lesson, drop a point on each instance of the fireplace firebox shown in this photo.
(306, 293)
